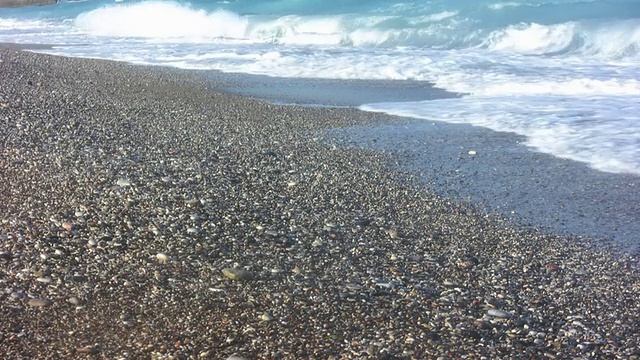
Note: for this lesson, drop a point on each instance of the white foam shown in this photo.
(572, 87)
(32, 25)
(297, 30)
(433, 17)
(500, 6)
(161, 20)
(363, 37)
(532, 38)
(601, 131)
(612, 40)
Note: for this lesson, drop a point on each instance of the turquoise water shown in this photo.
(565, 74)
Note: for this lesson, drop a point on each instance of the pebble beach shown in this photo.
(145, 215)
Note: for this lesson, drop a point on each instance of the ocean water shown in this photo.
(563, 73)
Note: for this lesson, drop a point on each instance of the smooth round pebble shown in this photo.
(498, 313)
(36, 302)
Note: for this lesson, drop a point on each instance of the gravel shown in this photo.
(132, 189)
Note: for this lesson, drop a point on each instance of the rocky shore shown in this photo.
(145, 216)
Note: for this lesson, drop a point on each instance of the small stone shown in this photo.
(330, 226)
(90, 349)
(266, 317)
(17, 295)
(14, 309)
(237, 274)
(498, 313)
(123, 182)
(192, 230)
(448, 283)
(162, 257)
(236, 357)
(44, 280)
(481, 324)
(74, 301)
(551, 266)
(5, 256)
(67, 226)
(472, 152)
(271, 233)
(35, 302)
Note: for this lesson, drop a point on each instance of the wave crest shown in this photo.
(443, 30)
(608, 40)
(161, 20)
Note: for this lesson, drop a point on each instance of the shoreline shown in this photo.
(130, 189)
(532, 201)
(504, 176)
(530, 188)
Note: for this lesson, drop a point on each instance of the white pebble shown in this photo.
(123, 182)
(162, 257)
(192, 230)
